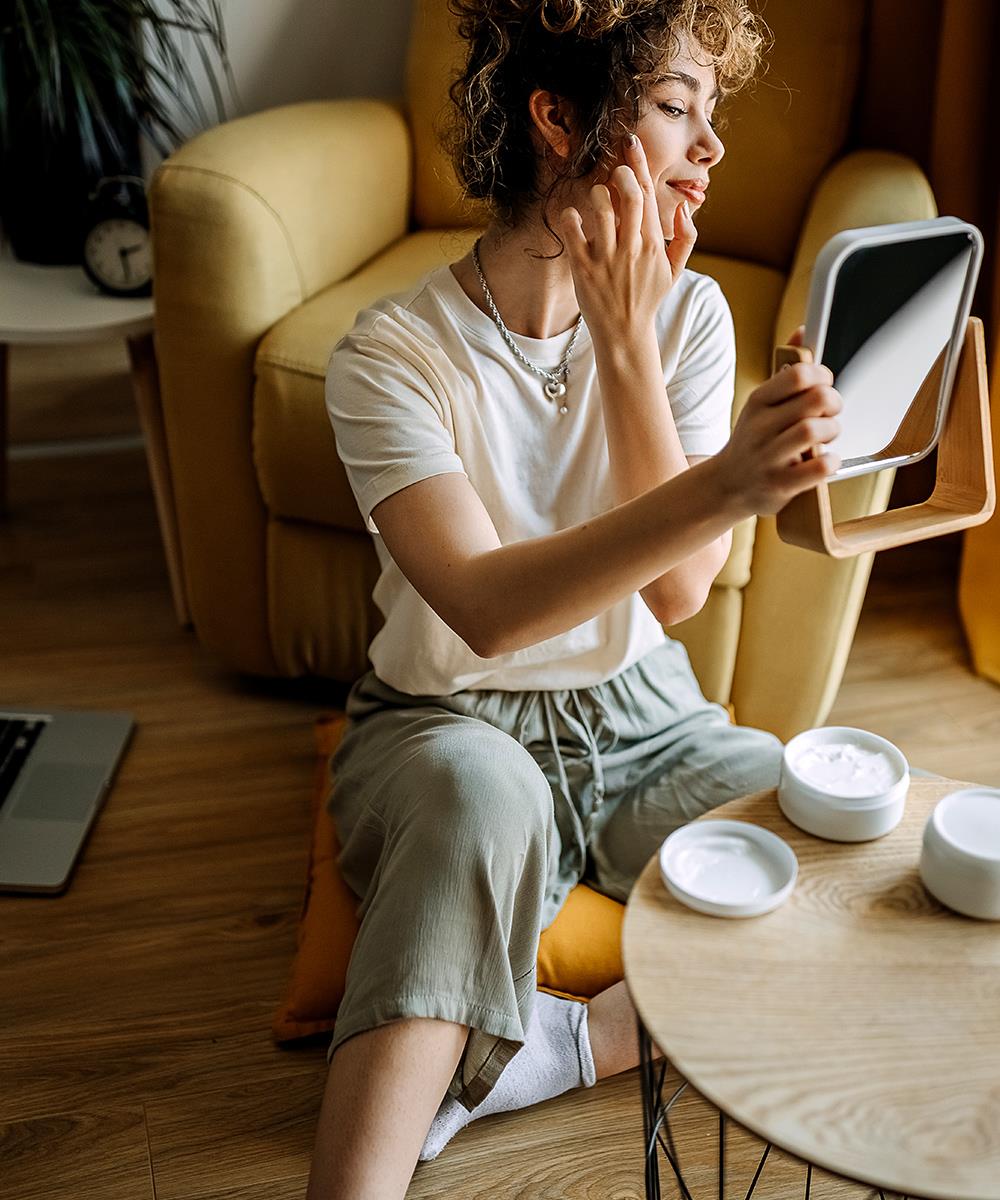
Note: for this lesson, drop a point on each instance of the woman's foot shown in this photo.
(556, 1056)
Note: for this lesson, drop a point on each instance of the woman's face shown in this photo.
(680, 144)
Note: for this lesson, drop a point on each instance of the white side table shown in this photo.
(48, 305)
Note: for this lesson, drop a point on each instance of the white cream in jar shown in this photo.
(844, 784)
(846, 769)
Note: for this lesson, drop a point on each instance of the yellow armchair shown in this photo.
(271, 231)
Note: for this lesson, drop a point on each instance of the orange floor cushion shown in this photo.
(579, 954)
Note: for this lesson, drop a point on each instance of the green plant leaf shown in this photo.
(88, 111)
(72, 67)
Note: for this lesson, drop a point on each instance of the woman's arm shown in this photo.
(622, 269)
(644, 450)
(503, 598)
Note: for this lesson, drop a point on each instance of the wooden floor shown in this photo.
(135, 1054)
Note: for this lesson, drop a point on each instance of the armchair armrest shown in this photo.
(249, 220)
(777, 685)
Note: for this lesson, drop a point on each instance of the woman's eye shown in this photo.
(681, 112)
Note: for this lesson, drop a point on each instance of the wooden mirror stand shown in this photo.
(964, 490)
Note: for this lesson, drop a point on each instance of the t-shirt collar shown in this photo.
(540, 350)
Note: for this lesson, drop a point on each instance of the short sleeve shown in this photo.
(392, 426)
(702, 388)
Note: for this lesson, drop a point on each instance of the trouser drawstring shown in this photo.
(558, 702)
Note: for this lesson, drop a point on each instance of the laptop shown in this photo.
(56, 767)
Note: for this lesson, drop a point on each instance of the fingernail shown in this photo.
(633, 141)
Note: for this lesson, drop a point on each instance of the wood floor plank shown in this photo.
(292, 1188)
(240, 1136)
(92, 1153)
(152, 1061)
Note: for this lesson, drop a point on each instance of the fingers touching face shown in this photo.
(630, 197)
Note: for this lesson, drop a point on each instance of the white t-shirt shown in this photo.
(424, 384)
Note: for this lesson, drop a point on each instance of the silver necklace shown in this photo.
(555, 385)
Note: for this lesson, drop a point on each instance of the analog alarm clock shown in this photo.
(117, 253)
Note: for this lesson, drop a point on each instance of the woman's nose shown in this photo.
(713, 147)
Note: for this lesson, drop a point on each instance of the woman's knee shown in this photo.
(479, 784)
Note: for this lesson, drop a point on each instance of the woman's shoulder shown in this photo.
(695, 308)
(396, 351)
(697, 290)
(405, 319)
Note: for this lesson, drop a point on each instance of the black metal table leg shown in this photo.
(650, 1107)
(658, 1136)
(656, 1120)
(657, 1131)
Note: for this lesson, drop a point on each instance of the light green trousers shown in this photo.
(466, 820)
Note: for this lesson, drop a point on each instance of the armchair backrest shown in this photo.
(782, 132)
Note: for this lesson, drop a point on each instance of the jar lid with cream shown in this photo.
(844, 784)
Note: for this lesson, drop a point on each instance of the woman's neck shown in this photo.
(535, 297)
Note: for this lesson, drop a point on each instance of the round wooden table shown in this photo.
(857, 1026)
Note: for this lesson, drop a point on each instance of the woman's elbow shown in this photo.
(483, 637)
(688, 599)
(681, 606)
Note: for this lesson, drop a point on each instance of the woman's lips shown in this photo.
(695, 194)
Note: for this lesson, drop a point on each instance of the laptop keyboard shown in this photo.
(16, 740)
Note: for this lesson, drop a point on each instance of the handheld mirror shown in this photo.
(887, 314)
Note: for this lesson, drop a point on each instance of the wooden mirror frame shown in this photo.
(964, 489)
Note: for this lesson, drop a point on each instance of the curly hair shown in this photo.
(603, 56)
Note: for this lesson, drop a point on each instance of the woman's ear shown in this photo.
(552, 117)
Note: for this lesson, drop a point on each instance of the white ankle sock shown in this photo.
(555, 1057)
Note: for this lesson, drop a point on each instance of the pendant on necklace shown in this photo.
(555, 390)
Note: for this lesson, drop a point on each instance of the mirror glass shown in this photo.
(892, 341)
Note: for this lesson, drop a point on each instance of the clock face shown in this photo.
(119, 254)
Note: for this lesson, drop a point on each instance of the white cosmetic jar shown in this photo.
(960, 856)
(843, 784)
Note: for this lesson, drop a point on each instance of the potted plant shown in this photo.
(79, 81)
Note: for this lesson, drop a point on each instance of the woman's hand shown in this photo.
(763, 464)
(621, 268)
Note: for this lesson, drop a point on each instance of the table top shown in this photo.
(42, 304)
(856, 1026)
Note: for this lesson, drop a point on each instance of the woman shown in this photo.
(540, 443)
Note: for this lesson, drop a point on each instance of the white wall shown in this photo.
(282, 51)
